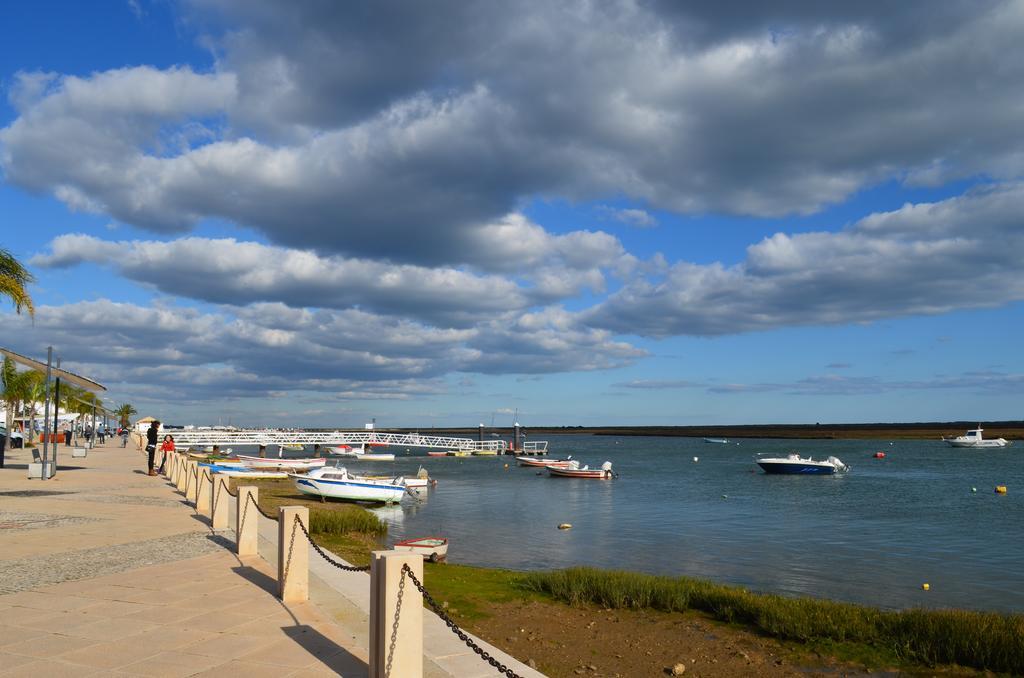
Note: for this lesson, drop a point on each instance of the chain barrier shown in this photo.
(262, 512)
(394, 625)
(463, 636)
(227, 488)
(323, 554)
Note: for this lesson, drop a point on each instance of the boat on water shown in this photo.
(420, 482)
(293, 447)
(485, 453)
(973, 438)
(794, 464)
(336, 483)
(359, 453)
(232, 471)
(459, 453)
(574, 470)
(544, 463)
(433, 549)
(281, 463)
(717, 441)
(437, 453)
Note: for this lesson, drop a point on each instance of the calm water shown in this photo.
(873, 535)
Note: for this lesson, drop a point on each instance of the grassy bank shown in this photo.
(987, 641)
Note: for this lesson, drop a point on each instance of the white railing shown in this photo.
(269, 437)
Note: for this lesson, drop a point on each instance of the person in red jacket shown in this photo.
(166, 447)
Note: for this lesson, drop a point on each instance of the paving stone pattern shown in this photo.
(16, 520)
(25, 574)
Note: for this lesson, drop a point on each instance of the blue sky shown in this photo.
(592, 213)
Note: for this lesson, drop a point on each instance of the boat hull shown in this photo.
(997, 442)
(433, 549)
(350, 490)
(542, 463)
(589, 474)
(802, 468)
(280, 463)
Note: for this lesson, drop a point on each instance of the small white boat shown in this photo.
(431, 548)
(544, 463)
(242, 472)
(421, 481)
(293, 447)
(794, 464)
(574, 470)
(349, 452)
(281, 463)
(717, 441)
(336, 483)
(973, 439)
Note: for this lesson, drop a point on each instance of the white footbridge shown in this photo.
(206, 437)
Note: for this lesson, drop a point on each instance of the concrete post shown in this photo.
(406, 655)
(172, 466)
(219, 518)
(191, 484)
(292, 555)
(183, 475)
(204, 492)
(247, 522)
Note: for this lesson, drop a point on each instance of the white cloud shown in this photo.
(924, 259)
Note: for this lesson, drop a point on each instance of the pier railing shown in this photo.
(396, 608)
(217, 437)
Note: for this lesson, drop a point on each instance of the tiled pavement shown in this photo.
(109, 572)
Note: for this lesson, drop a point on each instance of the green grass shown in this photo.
(982, 640)
(470, 590)
(325, 517)
(342, 522)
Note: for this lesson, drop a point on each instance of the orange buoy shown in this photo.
(1000, 489)
(879, 455)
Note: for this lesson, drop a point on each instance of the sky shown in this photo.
(281, 213)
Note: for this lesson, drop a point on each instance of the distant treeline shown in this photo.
(1011, 430)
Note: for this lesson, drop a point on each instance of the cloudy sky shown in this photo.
(603, 212)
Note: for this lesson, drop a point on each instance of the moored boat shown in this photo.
(336, 483)
(574, 470)
(544, 463)
(359, 453)
(281, 463)
(973, 438)
(436, 453)
(431, 548)
(293, 447)
(794, 464)
(717, 441)
(232, 471)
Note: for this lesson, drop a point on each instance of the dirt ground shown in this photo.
(566, 642)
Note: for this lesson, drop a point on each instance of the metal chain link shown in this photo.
(463, 636)
(332, 561)
(262, 512)
(227, 487)
(394, 626)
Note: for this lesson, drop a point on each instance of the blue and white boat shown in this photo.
(794, 464)
(336, 483)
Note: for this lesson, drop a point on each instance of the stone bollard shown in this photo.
(183, 475)
(221, 499)
(247, 518)
(204, 492)
(172, 467)
(191, 482)
(292, 555)
(406, 659)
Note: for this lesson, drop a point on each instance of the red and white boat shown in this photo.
(431, 548)
(544, 463)
(575, 471)
(437, 454)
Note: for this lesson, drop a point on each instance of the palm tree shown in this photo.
(15, 388)
(14, 278)
(124, 412)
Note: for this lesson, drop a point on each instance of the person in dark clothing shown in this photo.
(151, 436)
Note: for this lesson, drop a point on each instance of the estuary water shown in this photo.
(873, 535)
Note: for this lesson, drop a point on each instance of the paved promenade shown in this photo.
(107, 571)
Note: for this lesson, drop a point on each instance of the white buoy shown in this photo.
(695, 460)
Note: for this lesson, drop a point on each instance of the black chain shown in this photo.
(394, 626)
(463, 636)
(332, 561)
(262, 513)
(227, 487)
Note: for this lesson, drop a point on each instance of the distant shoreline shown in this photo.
(1011, 430)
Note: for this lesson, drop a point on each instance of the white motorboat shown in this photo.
(349, 452)
(542, 462)
(336, 483)
(794, 464)
(973, 438)
(574, 470)
(717, 441)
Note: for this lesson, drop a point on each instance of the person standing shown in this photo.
(167, 447)
(151, 436)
